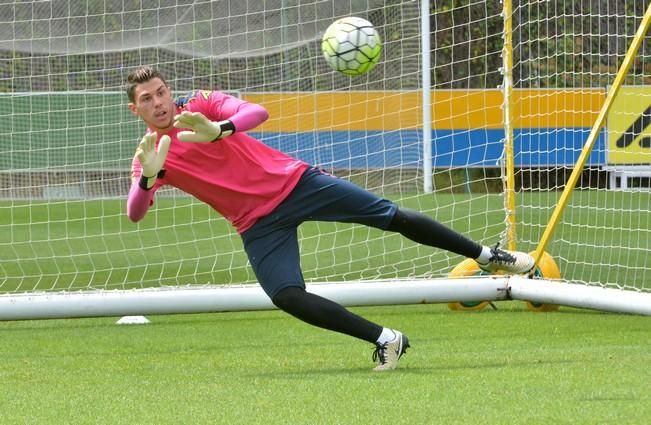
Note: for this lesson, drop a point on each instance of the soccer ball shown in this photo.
(351, 46)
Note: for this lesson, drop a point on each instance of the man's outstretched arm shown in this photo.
(145, 172)
(245, 116)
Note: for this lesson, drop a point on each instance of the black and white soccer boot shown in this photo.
(387, 355)
(512, 262)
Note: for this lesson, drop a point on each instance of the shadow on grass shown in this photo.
(416, 370)
(156, 320)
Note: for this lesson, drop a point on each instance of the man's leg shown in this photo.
(318, 311)
(332, 199)
(322, 312)
(274, 256)
(323, 197)
(423, 229)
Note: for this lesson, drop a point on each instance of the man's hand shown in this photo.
(202, 129)
(152, 160)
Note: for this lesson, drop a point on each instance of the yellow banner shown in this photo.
(451, 109)
(629, 126)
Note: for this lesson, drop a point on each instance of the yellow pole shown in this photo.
(594, 133)
(507, 55)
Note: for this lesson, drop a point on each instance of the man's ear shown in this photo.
(132, 108)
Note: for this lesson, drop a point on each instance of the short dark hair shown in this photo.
(139, 76)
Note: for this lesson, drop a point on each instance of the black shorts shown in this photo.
(272, 242)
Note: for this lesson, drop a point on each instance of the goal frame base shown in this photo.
(222, 298)
(207, 299)
(557, 292)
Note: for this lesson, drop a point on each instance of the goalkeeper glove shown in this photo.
(151, 159)
(202, 129)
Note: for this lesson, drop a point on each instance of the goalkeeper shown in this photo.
(198, 143)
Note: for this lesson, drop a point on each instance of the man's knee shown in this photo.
(401, 220)
(288, 297)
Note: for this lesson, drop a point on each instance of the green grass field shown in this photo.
(493, 367)
(501, 366)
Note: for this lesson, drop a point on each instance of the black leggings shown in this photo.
(425, 230)
(321, 312)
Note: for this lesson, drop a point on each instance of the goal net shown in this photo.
(567, 59)
(67, 137)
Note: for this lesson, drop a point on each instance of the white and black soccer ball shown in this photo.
(352, 46)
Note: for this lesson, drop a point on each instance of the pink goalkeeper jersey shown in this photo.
(239, 176)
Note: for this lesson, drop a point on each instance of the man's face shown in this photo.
(154, 104)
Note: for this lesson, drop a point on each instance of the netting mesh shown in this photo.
(572, 50)
(67, 137)
(66, 152)
(233, 45)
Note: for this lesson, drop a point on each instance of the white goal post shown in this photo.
(198, 299)
(476, 115)
(202, 299)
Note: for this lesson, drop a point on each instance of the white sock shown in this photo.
(485, 255)
(387, 335)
